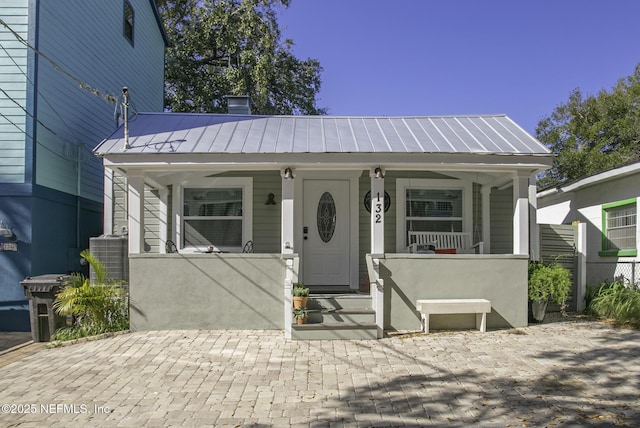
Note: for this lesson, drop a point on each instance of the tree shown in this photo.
(233, 47)
(594, 133)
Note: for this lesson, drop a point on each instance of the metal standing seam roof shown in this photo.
(185, 133)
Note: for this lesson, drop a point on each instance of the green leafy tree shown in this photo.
(594, 133)
(234, 47)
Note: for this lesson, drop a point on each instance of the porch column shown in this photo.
(486, 218)
(176, 215)
(534, 230)
(136, 213)
(163, 219)
(521, 214)
(286, 246)
(107, 214)
(377, 211)
(377, 244)
(286, 227)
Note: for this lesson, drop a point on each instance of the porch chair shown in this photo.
(170, 247)
(248, 247)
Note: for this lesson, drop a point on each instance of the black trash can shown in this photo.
(41, 292)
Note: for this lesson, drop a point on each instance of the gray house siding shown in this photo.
(502, 221)
(13, 81)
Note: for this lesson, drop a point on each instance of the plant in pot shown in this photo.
(300, 315)
(547, 283)
(300, 296)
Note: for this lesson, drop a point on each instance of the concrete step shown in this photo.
(352, 315)
(339, 301)
(334, 331)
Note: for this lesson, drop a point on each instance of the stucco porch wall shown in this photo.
(500, 278)
(206, 291)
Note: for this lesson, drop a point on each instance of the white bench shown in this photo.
(460, 241)
(480, 307)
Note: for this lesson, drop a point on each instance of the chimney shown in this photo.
(238, 104)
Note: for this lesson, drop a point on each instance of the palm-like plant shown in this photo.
(97, 306)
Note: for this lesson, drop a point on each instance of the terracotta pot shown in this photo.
(301, 320)
(299, 302)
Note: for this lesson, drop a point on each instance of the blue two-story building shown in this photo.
(63, 65)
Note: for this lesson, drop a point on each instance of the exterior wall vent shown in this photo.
(238, 104)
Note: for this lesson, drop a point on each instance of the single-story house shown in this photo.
(607, 203)
(325, 201)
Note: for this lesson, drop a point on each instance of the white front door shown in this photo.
(326, 235)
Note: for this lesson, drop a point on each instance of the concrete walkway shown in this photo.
(567, 373)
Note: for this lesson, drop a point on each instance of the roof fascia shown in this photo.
(593, 180)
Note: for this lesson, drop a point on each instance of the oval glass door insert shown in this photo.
(326, 217)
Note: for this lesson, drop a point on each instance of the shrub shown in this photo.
(549, 282)
(96, 306)
(617, 301)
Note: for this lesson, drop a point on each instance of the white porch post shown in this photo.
(377, 244)
(107, 215)
(534, 230)
(286, 226)
(176, 216)
(486, 218)
(521, 214)
(136, 213)
(163, 219)
(286, 246)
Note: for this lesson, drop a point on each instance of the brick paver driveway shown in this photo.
(557, 374)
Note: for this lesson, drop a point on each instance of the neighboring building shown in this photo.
(62, 65)
(327, 201)
(608, 204)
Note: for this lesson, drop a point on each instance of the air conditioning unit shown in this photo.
(113, 253)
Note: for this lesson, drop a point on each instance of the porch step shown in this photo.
(338, 316)
(334, 331)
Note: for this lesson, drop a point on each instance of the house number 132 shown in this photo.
(378, 210)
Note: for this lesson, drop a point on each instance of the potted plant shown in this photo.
(547, 283)
(300, 296)
(300, 315)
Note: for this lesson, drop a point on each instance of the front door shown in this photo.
(326, 234)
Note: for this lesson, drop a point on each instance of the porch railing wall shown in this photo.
(206, 291)
(407, 277)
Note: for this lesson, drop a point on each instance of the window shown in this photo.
(431, 205)
(217, 216)
(128, 21)
(619, 220)
(433, 210)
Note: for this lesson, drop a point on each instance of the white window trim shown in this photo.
(403, 183)
(246, 183)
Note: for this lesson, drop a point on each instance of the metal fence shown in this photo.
(625, 271)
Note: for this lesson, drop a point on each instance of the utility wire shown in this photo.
(83, 85)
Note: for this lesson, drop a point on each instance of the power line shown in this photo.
(83, 85)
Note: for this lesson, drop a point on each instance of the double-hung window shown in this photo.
(217, 216)
(128, 22)
(427, 205)
(619, 226)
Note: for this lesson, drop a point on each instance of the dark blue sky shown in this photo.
(426, 57)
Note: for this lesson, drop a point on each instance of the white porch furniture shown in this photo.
(480, 307)
(460, 241)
